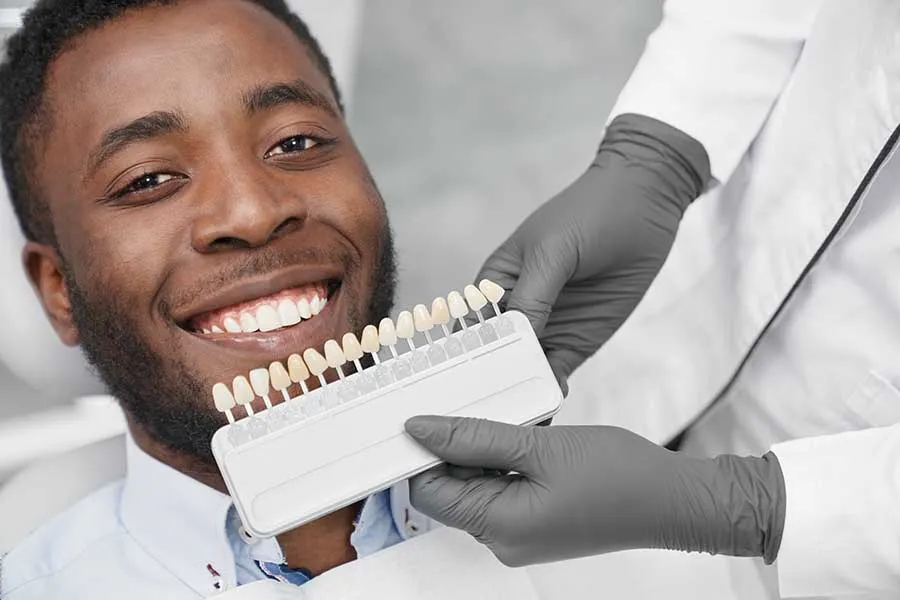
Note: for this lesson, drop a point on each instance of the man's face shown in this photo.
(198, 169)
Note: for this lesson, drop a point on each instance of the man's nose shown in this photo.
(248, 209)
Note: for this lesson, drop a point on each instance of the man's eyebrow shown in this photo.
(143, 128)
(268, 96)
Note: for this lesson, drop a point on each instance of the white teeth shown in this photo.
(267, 318)
(474, 297)
(206, 331)
(279, 376)
(422, 318)
(259, 380)
(288, 313)
(458, 308)
(333, 354)
(243, 393)
(232, 326)
(304, 308)
(316, 304)
(352, 348)
(223, 397)
(491, 290)
(370, 341)
(248, 323)
(406, 328)
(387, 335)
(217, 329)
(315, 361)
(440, 313)
(297, 368)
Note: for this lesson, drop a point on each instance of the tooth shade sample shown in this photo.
(281, 380)
(267, 318)
(422, 318)
(491, 290)
(248, 323)
(297, 368)
(223, 397)
(370, 342)
(243, 393)
(315, 361)
(352, 348)
(406, 328)
(333, 354)
(288, 313)
(259, 380)
(440, 313)
(475, 298)
(387, 335)
(232, 326)
(303, 308)
(458, 308)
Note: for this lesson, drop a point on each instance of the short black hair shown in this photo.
(46, 31)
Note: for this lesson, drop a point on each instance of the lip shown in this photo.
(262, 285)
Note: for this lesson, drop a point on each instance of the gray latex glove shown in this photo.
(591, 252)
(579, 491)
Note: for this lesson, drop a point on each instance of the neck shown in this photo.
(317, 546)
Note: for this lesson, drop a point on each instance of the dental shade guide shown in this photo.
(329, 447)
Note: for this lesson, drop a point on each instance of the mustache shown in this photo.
(255, 264)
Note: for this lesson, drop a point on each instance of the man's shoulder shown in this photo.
(76, 554)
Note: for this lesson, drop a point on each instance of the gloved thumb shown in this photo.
(545, 271)
(475, 442)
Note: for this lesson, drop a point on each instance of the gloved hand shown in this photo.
(579, 491)
(591, 252)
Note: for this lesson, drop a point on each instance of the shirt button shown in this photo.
(413, 528)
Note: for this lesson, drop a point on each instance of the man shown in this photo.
(172, 163)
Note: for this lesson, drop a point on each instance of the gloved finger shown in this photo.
(545, 271)
(475, 442)
(560, 368)
(502, 267)
(459, 503)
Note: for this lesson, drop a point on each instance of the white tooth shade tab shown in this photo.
(288, 313)
(232, 326)
(243, 393)
(458, 307)
(406, 328)
(248, 323)
(491, 290)
(223, 397)
(281, 380)
(297, 368)
(315, 361)
(474, 297)
(370, 342)
(259, 380)
(267, 318)
(333, 354)
(387, 335)
(352, 348)
(304, 308)
(440, 313)
(422, 318)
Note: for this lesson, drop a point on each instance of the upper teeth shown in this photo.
(268, 318)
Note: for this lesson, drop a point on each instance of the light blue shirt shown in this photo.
(159, 534)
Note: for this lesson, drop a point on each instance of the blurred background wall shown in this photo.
(470, 114)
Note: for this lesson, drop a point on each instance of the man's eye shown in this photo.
(293, 144)
(147, 181)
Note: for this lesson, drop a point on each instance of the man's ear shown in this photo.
(44, 269)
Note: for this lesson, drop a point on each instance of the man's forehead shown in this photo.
(195, 54)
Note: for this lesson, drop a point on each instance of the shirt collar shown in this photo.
(178, 521)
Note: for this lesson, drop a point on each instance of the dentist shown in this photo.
(778, 338)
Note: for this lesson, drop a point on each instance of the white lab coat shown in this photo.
(782, 287)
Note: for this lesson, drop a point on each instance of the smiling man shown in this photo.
(195, 207)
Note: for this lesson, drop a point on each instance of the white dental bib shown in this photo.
(441, 564)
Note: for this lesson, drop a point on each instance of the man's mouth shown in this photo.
(266, 313)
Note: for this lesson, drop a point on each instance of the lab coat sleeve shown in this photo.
(842, 523)
(714, 69)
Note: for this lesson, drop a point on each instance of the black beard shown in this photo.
(158, 393)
